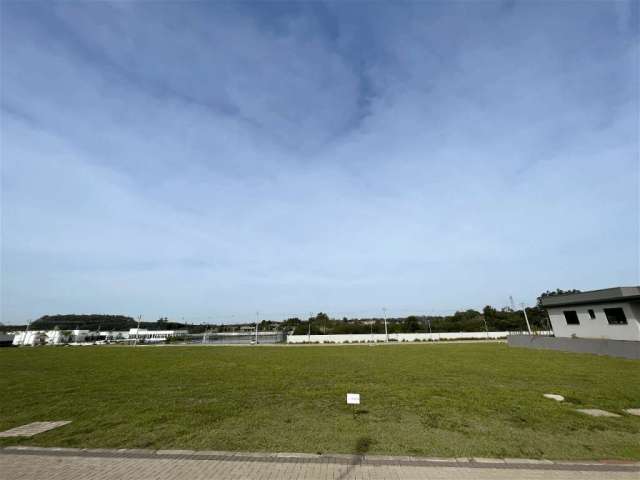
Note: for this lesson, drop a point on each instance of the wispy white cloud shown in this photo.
(211, 160)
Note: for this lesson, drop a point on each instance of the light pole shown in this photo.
(486, 329)
(386, 332)
(257, 317)
(138, 330)
(26, 332)
(526, 319)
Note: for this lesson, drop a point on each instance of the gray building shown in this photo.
(610, 313)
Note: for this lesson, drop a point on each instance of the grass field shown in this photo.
(452, 400)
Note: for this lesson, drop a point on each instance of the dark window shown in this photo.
(592, 314)
(571, 317)
(615, 316)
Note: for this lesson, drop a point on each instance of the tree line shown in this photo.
(490, 318)
(470, 320)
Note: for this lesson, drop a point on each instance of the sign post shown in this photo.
(353, 399)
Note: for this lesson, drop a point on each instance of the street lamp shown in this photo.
(526, 319)
(26, 332)
(486, 329)
(138, 330)
(257, 318)
(386, 332)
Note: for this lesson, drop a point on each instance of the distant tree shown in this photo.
(303, 329)
(411, 324)
(322, 319)
(489, 312)
(264, 325)
(84, 322)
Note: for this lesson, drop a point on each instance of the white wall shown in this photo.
(155, 335)
(32, 337)
(597, 327)
(400, 337)
(114, 334)
(243, 334)
(55, 337)
(49, 337)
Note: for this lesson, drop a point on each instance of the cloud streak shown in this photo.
(215, 160)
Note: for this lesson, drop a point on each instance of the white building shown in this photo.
(53, 337)
(32, 338)
(113, 335)
(155, 336)
(611, 313)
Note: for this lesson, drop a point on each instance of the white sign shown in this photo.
(353, 399)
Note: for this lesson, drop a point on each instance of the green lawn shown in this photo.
(452, 400)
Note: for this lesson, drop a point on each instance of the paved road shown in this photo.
(59, 464)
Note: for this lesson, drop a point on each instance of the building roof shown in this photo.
(606, 295)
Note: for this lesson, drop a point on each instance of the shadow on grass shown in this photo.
(361, 447)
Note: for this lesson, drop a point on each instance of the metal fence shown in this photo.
(237, 338)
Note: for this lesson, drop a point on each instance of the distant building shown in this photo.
(60, 337)
(611, 313)
(32, 337)
(113, 335)
(155, 336)
(6, 340)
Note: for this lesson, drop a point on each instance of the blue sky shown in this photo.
(208, 160)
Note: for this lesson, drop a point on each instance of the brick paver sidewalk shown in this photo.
(32, 463)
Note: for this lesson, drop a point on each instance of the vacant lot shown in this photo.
(451, 400)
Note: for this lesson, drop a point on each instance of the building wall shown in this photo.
(598, 327)
(244, 334)
(599, 346)
(51, 337)
(55, 337)
(155, 335)
(113, 335)
(30, 338)
(399, 337)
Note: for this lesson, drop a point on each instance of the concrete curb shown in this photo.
(284, 457)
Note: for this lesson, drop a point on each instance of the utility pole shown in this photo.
(526, 319)
(257, 318)
(486, 329)
(24, 336)
(386, 332)
(138, 330)
(427, 322)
